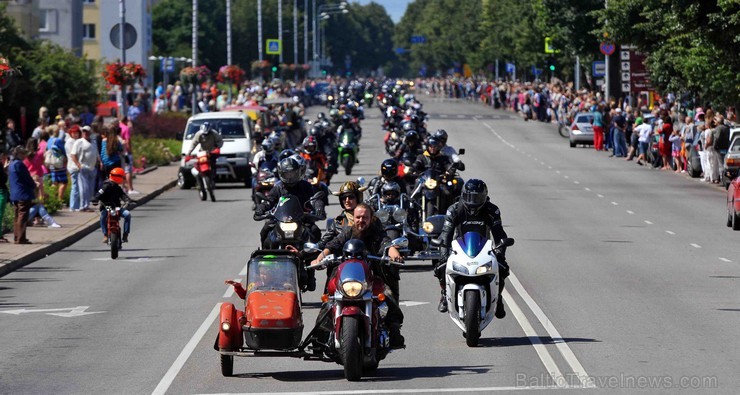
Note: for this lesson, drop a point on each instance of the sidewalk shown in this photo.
(77, 225)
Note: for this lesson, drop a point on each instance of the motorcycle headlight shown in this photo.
(428, 227)
(460, 268)
(330, 97)
(484, 269)
(400, 215)
(288, 228)
(383, 215)
(194, 171)
(430, 183)
(394, 135)
(314, 181)
(352, 289)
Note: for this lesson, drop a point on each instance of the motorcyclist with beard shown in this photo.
(474, 212)
(368, 230)
(291, 171)
(441, 135)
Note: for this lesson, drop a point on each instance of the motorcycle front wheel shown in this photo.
(472, 318)
(114, 240)
(347, 163)
(351, 348)
(227, 365)
(208, 181)
(202, 192)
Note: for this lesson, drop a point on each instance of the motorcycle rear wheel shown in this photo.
(350, 349)
(472, 318)
(227, 365)
(113, 239)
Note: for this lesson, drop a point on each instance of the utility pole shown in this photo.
(228, 32)
(259, 28)
(606, 78)
(295, 36)
(194, 96)
(305, 31)
(280, 28)
(122, 14)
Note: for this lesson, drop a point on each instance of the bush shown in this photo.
(51, 201)
(163, 126)
(156, 151)
(8, 219)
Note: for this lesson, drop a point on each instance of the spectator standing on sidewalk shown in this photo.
(128, 158)
(73, 169)
(688, 133)
(21, 193)
(619, 123)
(711, 174)
(55, 160)
(4, 192)
(598, 126)
(665, 131)
(85, 156)
(721, 137)
(12, 139)
(111, 150)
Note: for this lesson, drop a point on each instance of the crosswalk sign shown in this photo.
(274, 47)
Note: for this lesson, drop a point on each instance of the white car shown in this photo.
(232, 165)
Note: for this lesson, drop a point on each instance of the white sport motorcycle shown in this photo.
(472, 276)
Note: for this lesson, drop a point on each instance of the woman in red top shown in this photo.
(665, 149)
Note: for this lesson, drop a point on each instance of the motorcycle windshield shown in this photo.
(268, 166)
(288, 209)
(472, 243)
(352, 270)
(272, 274)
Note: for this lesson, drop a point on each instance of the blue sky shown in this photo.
(395, 8)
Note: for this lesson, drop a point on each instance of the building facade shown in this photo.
(26, 15)
(60, 21)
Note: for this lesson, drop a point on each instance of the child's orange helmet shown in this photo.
(117, 175)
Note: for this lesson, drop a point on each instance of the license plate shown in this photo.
(221, 159)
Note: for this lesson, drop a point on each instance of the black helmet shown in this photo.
(309, 144)
(315, 131)
(407, 126)
(411, 137)
(389, 168)
(286, 153)
(290, 171)
(321, 116)
(433, 142)
(268, 146)
(474, 195)
(354, 248)
(441, 135)
(391, 190)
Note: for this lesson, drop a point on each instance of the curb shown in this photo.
(72, 238)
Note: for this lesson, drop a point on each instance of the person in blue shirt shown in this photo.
(22, 188)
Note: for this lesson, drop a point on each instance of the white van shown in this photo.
(232, 165)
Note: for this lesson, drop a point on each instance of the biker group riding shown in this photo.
(417, 208)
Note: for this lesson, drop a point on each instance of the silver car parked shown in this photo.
(581, 130)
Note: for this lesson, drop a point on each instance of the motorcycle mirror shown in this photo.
(400, 242)
(461, 152)
(318, 195)
(361, 181)
(311, 247)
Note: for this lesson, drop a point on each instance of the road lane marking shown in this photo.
(587, 189)
(539, 347)
(562, 346)
(244, 271)
(600, 195)
(576, 182)
(630, 212)
(695, 245)
(669, 232)
(725, 260)
(169, 377)
(615, 204)
(402, 391)
(230, 291)
(410, 303)
(648, 222)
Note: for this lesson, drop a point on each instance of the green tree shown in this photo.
(691, 45)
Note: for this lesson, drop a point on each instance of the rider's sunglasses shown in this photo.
(348, 196)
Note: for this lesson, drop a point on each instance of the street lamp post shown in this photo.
(323, 10)
(194, 97)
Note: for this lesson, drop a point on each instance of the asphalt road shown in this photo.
(623, 278)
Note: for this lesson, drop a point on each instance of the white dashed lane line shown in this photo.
(648, 222)
(695, 245)
(630, 212)
(600, 195)
(725, 260)
(670, 233)
(615, 204)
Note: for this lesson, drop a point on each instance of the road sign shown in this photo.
(625, 87)
(418, 39)
(624, 54)
(168, 65)
(598, 69)
(606, 48)
(274, 47)
(625, 76)
(129, 36)
(548, 45)
(625, 66)
(510, 68)
(536, 71)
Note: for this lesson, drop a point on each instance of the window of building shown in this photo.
(88, 1)
(45, 17)
(88, 31)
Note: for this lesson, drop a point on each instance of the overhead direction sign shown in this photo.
(274, 47)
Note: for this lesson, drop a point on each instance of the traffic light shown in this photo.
(552, 67)
(551, 63)
(274, 69)
(323, 72)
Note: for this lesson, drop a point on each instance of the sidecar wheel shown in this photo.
(227, 365)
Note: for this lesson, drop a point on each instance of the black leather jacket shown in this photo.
(439, 163)
(487, 221)
(303, 190)
(375, 185)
